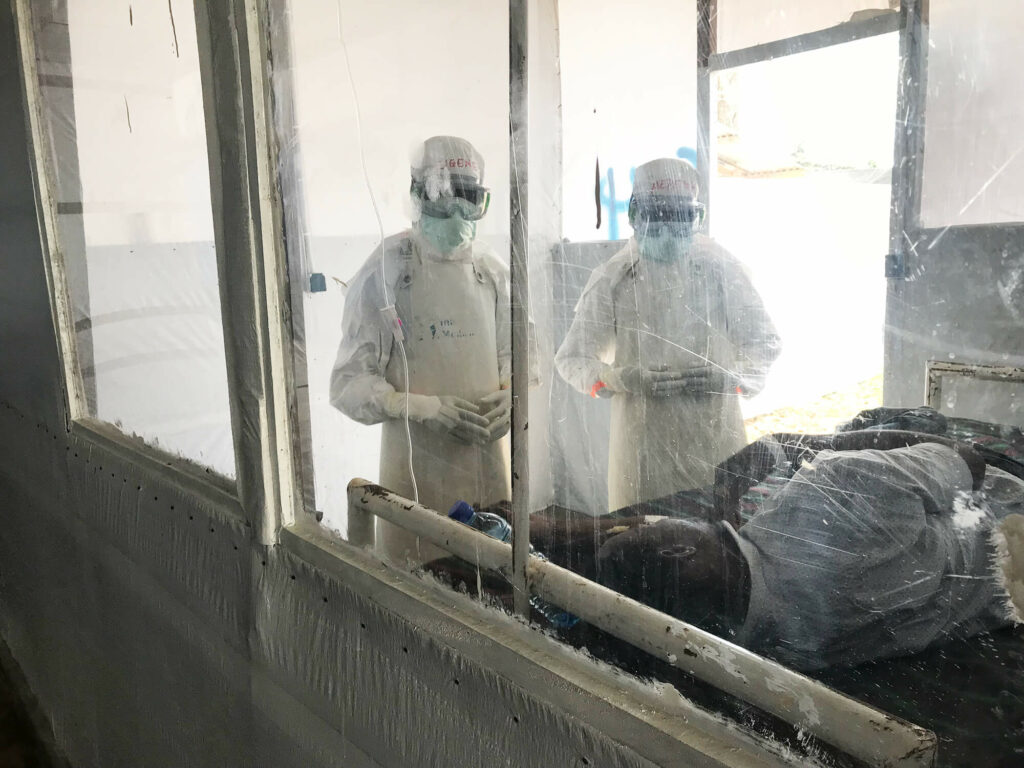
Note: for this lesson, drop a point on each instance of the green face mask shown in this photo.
(448, 235)
(664, 242)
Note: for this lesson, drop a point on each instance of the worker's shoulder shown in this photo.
(610, 273)
(395, 251)
(605, 277)
(487, 259)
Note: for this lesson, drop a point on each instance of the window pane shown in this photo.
(125, 114)
(802, 186)
(743, 23)
(973, 169)
(353, 122)
(664, 351)
(676, 353)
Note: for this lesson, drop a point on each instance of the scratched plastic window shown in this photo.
(124, 110)
(973, 168)
(737, 413)
(397, 244)
(746, 425)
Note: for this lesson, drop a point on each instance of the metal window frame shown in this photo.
(711, 60)
(908, 235)
(248, 234)
(282, 116)
(843, 722)
(853, 727)
(846, 32)
(44, 182)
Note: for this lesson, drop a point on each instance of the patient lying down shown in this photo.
(863, 554)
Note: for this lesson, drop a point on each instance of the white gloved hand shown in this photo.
(658, 381)
(705, 379)
(662, 381)
(497, 408)
(749, 384)
(715, 380)
(446, 414)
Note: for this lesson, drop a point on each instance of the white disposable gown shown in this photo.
(455, 316)
(698, 310)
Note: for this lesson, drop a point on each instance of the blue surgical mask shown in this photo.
(448, 235)
(664, 242)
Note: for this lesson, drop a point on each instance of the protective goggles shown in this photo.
(470, 201)
(681, 210)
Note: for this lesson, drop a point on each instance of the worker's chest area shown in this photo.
(446, 305)
(673, 312)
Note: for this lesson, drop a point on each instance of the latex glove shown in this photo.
(497, 408)
(659, 381)
(710, 379)
(749, 384)
(665, 382)
(445, 414)
(706, 379)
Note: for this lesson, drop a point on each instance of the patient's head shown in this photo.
(687, 569)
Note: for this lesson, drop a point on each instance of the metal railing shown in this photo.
(853, 727)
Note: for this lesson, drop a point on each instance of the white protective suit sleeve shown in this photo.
(358, 386)
(588, 350)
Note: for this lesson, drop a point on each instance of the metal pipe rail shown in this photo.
(857, 729)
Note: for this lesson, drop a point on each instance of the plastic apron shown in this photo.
(447, 310)
(671, 314)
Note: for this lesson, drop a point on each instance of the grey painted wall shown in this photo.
(963, 301)
(29, 375)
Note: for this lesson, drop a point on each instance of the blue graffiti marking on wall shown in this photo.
(689, 154)
(613, 207)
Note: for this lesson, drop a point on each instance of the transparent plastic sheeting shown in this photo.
(973, 168)
(800, 191)
(791, 182)
(833, 557)
(360, 86)
(667, 344)
(744, 23)
(124, 108)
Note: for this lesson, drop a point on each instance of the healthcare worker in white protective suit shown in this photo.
(450, 299)
(671, 329)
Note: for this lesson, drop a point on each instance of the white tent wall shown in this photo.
(154, 630)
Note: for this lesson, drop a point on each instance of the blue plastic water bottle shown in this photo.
(498, 528)
(493, 525)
